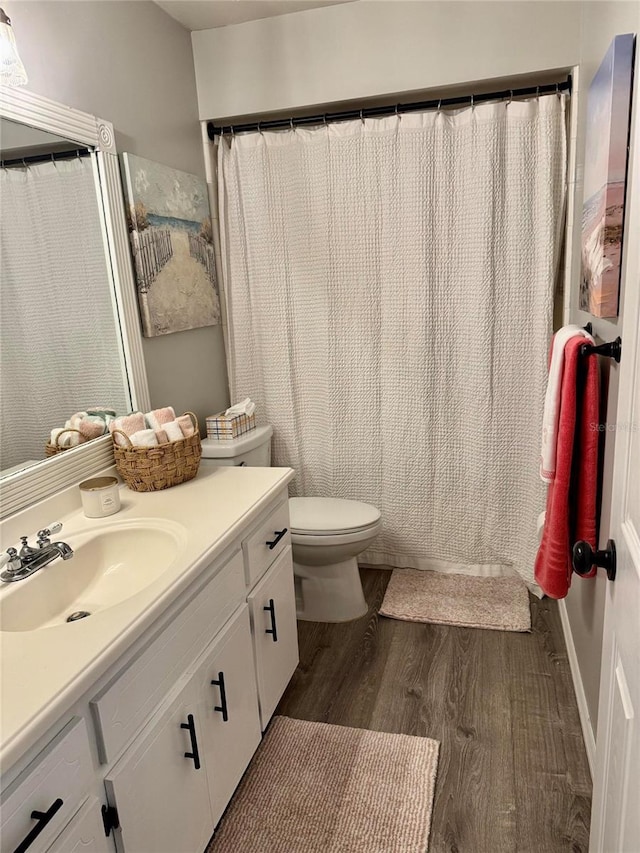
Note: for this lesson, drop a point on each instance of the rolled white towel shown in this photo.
(144, 438)
(159, 417)
(173, 431)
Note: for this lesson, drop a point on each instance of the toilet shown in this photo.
(327, 534)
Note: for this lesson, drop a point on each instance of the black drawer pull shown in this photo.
(273, 630)
(43, 819)
(274, 542)
(222, 707)
(191, 726)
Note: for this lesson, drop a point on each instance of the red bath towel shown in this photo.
(571, 499)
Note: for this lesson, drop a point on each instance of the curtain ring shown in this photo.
(538, 92)
(472, 105)
(510, 95)
(439, 104)
(260, 128)
(558, 89)
(361, 117)
(292, 125)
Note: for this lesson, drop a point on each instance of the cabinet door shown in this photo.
(272, 605)
(85, 833)
(229, 723)
(159, 790)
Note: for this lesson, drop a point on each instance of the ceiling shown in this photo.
(207, 14)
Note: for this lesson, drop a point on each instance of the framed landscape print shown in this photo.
(172, 246)
(605, 172)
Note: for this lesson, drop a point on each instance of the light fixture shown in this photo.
(12, 71)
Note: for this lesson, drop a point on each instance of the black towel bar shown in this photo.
(611, 350)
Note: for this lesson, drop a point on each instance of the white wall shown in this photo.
(365, 49)
(132, 64)
(600, 22)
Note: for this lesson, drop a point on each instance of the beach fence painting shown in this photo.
(172, 246)
(605, 172)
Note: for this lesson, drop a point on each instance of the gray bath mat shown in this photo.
(501, 604)
(318, 788)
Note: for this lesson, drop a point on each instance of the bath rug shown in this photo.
(501, 604)
(319, 788)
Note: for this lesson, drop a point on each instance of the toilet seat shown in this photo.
(319, 517)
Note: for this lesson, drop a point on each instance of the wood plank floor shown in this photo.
(513, 774)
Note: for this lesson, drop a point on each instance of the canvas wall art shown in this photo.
(172, 246)
(608, 117)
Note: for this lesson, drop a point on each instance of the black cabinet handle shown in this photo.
(191, 726)
(274, 542)
(273, 630)
(222, 707)
(43, 819)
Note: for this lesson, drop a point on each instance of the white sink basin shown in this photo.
(109, 565)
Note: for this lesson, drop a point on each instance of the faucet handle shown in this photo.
(45, 533)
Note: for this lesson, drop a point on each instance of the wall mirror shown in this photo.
(70, 326)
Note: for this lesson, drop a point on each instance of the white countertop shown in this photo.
(43, 672)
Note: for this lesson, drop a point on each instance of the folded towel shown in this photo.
(571, 499)
(158, 417)
(186, 425)
(75, 419)
(173, 431)
(65, 436)
(144, 438)
(552, 398)
(162, 437)
(245, 407)
(128, 424)
(90, 429)
(102, 412)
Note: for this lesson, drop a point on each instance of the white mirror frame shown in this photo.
(35, 483)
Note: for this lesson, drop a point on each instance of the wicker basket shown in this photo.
(51, 449)
(150, 469)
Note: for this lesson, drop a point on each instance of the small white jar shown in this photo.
(100, 496)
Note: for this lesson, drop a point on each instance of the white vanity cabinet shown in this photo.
(147, 759)
(269, 573)
(275, 637)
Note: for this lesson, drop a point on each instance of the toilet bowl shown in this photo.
(327, 534)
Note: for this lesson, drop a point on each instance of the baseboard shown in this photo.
(583, 710)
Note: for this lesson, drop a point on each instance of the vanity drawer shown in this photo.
(266, 542)
(126, 703)
(54, 784)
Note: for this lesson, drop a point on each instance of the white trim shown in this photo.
(37, 482)
(578, 687)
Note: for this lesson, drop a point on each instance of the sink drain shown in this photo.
(79, 614)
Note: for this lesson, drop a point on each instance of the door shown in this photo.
(159, 787)
(275, 633)
(227, 711)
(85, 833)
(615, 825)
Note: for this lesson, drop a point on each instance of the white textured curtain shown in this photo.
(389, 290)
(61, 350)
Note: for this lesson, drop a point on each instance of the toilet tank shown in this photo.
(252, 449)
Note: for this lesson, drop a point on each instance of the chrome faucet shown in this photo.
(28, 560)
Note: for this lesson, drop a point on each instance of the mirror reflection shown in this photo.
(61, 357)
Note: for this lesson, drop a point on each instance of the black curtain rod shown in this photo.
(378, 112)
(43, 158)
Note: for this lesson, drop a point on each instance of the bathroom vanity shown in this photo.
(130, 729)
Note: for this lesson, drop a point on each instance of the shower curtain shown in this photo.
(60, 343)
(389, 288)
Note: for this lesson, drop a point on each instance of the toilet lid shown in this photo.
(316, 516)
